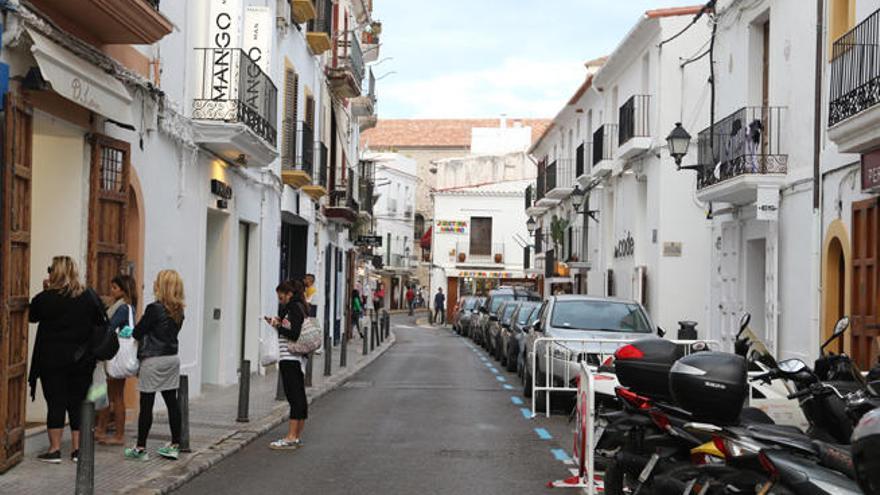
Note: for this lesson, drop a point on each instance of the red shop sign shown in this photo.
(871, 171)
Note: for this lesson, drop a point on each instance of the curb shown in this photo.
(198, 462)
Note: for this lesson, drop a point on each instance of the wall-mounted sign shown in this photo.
(224, 35)
(672, 249)
(625, 247)
(871, 171)
(767, 204)
(485, 275)
(368, 241)
(257, 44)
(452, 226)
(220, 188)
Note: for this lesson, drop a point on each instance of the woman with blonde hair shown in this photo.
(66, 313)
(156, 333)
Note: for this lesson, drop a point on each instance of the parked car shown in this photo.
(510, 332)
(505, 314)
(493, 303)
(580, 317)
(465, 311)
(522, 337)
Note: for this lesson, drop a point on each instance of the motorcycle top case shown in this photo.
(710, 385)
(648, 374)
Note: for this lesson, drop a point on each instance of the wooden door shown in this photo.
(15, 239)
(865, 319)
(451, 297)
(108, 209)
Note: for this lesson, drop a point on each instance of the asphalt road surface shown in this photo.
(431, 416)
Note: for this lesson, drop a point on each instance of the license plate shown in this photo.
(648, 468)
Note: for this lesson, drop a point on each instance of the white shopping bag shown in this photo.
(125, 363)
(269, 351)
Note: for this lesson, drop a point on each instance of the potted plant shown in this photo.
(558, 226)
(498, 258)
(461, 257)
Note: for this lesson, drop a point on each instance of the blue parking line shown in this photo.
(501, 378)
(508, 387)
(516, 400)
(493, 370)
(543, 434)
(526, 412)
(560, 455)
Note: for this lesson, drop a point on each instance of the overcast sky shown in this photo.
(482, 58)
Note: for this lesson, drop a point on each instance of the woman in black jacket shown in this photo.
(292, 312)
(66, 313)
(160, 366)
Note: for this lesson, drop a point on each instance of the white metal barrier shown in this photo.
(584, 436)
(569, 354)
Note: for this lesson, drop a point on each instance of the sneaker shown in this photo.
(51, 457)
(74, 456)
(169, 451)
(137, 454)
(284, 444)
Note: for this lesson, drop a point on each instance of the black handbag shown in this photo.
(104, 343)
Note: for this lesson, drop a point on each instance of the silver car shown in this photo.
(584, 318)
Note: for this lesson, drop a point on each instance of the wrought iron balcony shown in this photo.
(347, 73)
(343, 206)
(319, 30)
(746, 142)
(365, 105)
(481, 254)
(604, 144)
(233, 89)
(528, 196)
(560, 178)
(634, 133)
(580, 160)
(317, 188)
(370, 42)
(855, 70)
(298, 172)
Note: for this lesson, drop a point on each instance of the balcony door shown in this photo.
(481, 236)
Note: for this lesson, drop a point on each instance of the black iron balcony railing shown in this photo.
(323, 23)
(855, 70)
(365, 195)
(233, 88)
(550, 177)
(634, 115)
(342, 197)
(323, 155)
(539, 241)
(603, 143)
(351, 56)
(745, 142)
(579, 161)
(559, 175)
(305, 159)
(528, 196)
(540, 183)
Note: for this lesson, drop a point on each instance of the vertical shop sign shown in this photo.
(257, 46)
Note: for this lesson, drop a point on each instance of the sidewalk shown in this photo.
(214, 435)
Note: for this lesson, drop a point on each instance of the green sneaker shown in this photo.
(169, 451)
(136, 454)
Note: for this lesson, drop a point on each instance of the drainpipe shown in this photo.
(817, 180)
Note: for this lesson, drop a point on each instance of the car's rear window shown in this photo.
(496, 301)
(607, 316)
(508, 313)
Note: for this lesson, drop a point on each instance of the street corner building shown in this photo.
(216, 138)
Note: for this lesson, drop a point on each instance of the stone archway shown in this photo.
(836, 279)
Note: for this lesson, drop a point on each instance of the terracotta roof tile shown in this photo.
(436, 133)
(674, 11)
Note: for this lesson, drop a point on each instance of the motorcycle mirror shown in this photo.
(792, 366)
(660, 332)
(839, 329)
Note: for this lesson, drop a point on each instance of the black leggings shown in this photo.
(145, 418)
(294, 388)
(65, 390)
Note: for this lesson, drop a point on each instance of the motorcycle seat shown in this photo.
(836, 457)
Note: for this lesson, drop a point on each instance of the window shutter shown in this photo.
(288, 145)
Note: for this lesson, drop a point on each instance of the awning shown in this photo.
(425, 241)
(81, 82)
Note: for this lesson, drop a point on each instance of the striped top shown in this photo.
(284, 353)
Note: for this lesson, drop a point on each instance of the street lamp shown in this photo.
(531, 224)
(678, 141)
(578, 196)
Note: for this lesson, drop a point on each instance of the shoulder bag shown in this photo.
(310, 337)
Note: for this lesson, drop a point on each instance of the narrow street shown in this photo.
(429, 416)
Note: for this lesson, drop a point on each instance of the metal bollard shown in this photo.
(279, 387)
(85, 468)
(374, 334)
(309, 370)
(244, 391)
(328, 352)
(343, 350)
(183, 400)
(387, 325)
(365, 350)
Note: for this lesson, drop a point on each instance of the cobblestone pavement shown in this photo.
(214, 435)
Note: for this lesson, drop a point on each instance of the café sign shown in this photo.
(871, 172)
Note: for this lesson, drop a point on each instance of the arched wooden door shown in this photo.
(15, 240)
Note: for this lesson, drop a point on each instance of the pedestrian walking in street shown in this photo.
(440, 306)
(292, 311)
(379, 296)
(66, 313)
(357, 309)
(123, 291)
(410, 299)
(160, 365)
